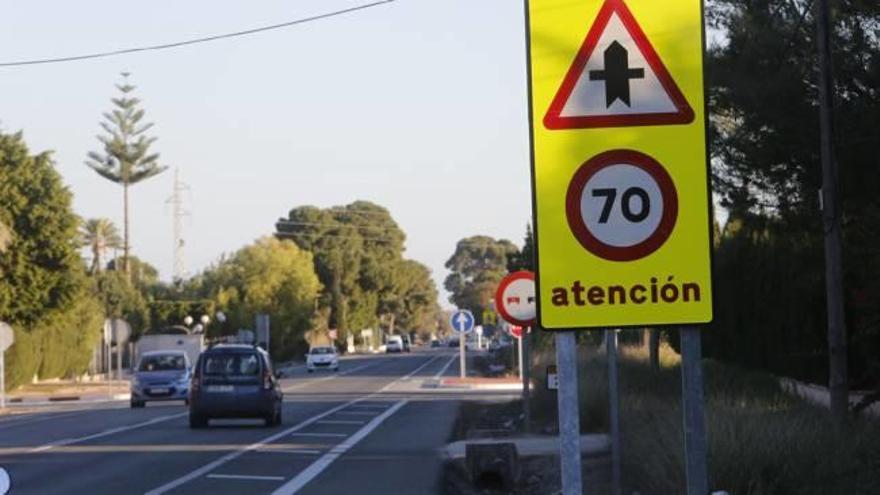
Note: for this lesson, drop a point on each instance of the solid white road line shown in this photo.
(407, 377)
(328, 435)
(245, 477)
(289, 451)
(446, 367)
(106, 433)
(317, 467)
(207, 468)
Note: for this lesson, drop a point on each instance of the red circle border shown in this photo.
(576, 189)
(499, 299)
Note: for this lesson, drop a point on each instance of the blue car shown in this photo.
(160, 376)
(234, 381)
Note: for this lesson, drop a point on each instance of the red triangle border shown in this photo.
(554, 120)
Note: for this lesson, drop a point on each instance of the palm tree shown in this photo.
(126, 158)
(98, 234)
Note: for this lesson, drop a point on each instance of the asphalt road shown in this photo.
(371, 428)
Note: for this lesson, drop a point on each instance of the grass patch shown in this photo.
(762, 440)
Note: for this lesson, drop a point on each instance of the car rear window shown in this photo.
(239, 365)
(322, 350)
(165, 362)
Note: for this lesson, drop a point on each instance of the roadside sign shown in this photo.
(5, 482)
(517, 331)
(489, 317)
(120, 331)
(552, 378)
(620, 177)
(515, 298)
(7, 336)
(462, 321)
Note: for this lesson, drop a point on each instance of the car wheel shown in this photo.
(197, 421)
(137, 404)
(311, 371)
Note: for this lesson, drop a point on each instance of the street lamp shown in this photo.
(188, 320)
(205, 319)
(220, 317)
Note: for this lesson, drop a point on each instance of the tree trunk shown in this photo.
(125, 248)
(654, 348)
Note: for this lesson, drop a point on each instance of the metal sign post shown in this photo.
(569, 413)
(695, 450)
(519, 345)
(515, 300)
(462, 366)
(613, 408)
(108, 369)
(264, 335)
(3, 379)
(527, 380)
(462, 321)
(7, 338)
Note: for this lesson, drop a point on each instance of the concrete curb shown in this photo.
(596, 445)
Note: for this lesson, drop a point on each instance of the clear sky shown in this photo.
(418, 105)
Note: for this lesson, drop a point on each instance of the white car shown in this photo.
(394, 344)
(323, 357)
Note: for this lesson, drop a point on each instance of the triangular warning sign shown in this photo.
(617, 79)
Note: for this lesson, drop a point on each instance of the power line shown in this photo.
(335, 225)
(195, 41)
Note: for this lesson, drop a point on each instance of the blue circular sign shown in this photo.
(462, 321)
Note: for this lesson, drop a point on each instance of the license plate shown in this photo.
(159, 390)
(220, 388)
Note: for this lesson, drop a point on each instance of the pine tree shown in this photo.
(126, 158)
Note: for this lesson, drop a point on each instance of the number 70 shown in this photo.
(626, 203)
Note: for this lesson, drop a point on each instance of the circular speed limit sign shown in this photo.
(621, 205)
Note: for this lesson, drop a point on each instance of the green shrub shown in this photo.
(22, 360)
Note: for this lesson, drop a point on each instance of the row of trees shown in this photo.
(366, 281)
(770, 299)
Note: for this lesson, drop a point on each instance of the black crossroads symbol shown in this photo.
(617, 74)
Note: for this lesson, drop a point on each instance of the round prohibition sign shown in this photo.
(515, 298)
(621, 205)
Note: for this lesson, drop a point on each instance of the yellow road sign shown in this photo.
(489, 317)
(620, 179)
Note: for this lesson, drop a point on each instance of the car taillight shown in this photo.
(195, 384)
(267, 380)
